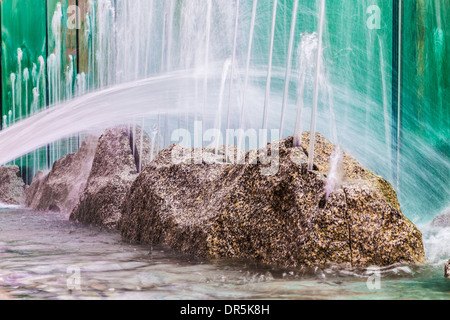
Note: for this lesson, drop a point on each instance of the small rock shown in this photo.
(59, 189)
(12, 186)
(32, 190)
(447, 270)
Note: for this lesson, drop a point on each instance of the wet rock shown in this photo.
(442, 220)
(141, 146)
(12, 186)
(59, 189)
(114, 169)
(31, 198)
(273, 210)
(447, 270)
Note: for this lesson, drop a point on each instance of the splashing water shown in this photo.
(336, 173)
(98, 110)
(319, 66)
(306, 53)
(112, 269)
(191, 41)
(127, 40)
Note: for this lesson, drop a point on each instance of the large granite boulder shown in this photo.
(274, 211)
(59, 189)
(12, 186)
(114, 168)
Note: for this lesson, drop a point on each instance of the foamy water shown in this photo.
(8, 206)
(44, 256)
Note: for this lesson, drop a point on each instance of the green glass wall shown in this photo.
(46, 73)
(22, 29)
(425, 127)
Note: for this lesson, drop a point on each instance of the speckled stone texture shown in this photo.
(114, 168)
(12, 186)
(236, 211)
(59, 190)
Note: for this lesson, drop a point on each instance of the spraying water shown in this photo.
(13, 86)
(336, 173)
(288, 67)
(19, 80)
(311, 149)
(26, 78)
(247, 73)
(219, 118)
(128, 40)
(95, 111)
(307, 52)
(269, 67)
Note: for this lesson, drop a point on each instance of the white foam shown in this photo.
(437, 244)
(8, 206)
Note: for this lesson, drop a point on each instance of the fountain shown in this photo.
(262, 55)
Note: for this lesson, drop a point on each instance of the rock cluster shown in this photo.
(264, 205)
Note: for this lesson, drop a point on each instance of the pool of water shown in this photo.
(45, 256)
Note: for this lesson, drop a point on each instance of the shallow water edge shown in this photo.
(45, 256)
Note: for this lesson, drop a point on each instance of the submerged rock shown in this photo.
(59, 189)
(12, 186)
(114, 168)
(273, 211)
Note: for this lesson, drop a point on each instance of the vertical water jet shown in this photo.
(396, 87)
(26, 78)
(247, 68)
(13, 95)
(269, 67)
(233, 65)
(305, 55)
(288, 66)
(218, 125)
(207, 44)
(312, 141)
(19, 81)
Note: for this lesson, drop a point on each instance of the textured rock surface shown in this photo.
(113, 171)
(442, 220)
(12, 186)
(59, 190)
(236, 211)
(141, 147)
(447, 269)
(31, 198)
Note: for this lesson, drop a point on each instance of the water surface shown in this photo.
(45, 256)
